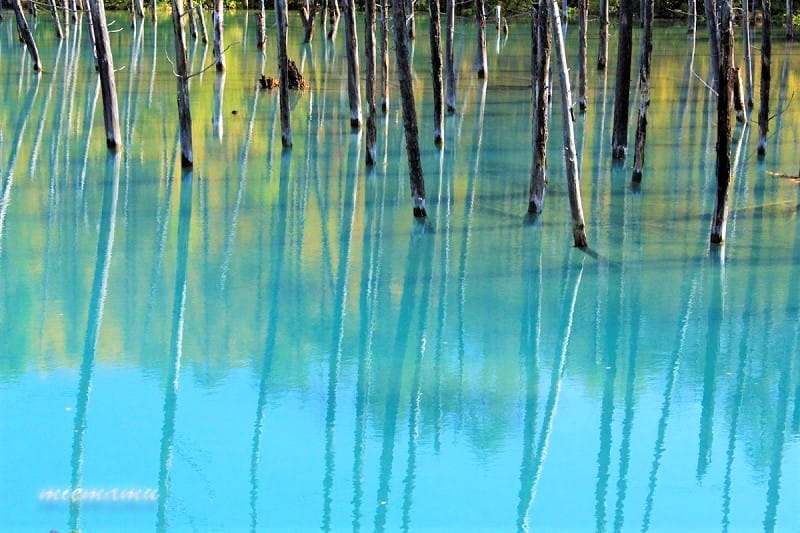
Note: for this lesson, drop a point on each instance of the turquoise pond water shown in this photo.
(272, 342)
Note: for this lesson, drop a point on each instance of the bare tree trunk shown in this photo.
(766, 58)
(201, 18)
(385, 55)
(153, 8)
(261, 26)
(409, 111)
(738, 95)
(56, 19)
(720, 218)
(92, 39)
(139, 8)
(692, 24)
(450, 6)
(644, 89)
(570, 160)
(480, 58)
(619, 138)
(25, 32)
(105, 65)
(748, 58)
(74, 7)
(219, 56)
(369, 36)
(789, 21)
(353, 76)
(713, 37)
(182, 80)
(409, 16)
(190, 14)
(436, 67)
(334, 14)
(583, 21)
(541, 77)
(307, 14)
(32, 8)
(602, 53)
(283, 66)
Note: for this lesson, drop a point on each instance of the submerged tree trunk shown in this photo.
(369, 44)
(450, 69)
(436, 67)
(219, 55)
(190, 15)
(644, 89)
(619, 139)
(713, 37)
(409, 111)
(583, 21)
(353, 71)
(719, 220)
(602, 50)
(283, 66)
(738, 95)
(56, 19)
(541, 77)
(105, 65)
(409, 15)
(570, 158)
(766, 58)
(692, 24)
(184, 112)
(480, 58)
(25, 32)
(307, 15)
(748, 58)
(261, 26)
(385, 56)
(202, 19)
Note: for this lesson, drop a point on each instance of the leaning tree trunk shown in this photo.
(307, 14)
(789, 21)
(182, 71)
(25, 32)
(105, 66)
(56, 19)
(450, 6)
(748, 58)
(369, 44)
(644, 89)
(713, 37)
(385, 56)
(570, 159)
(219, 55)
(353, 81)
(480, 58)
(409, 110)
(619, 139)
(283, 67)
(190, 15)
(583, 21)
(261, 26)
(692, 20)
(201, 18)
(723, 126)
(436, 67)
(766, 58)
(541, 76)
(602, 51)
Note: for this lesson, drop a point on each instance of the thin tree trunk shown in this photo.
(93, 40)
(766, 58)
(219, 56)
(182, 81)
(202, 19)
(436, 67)
(74, 7)
(32, 8)
(385, 56)
(190, 14)
(139, 8)
(409, 16)
(480, 58)
(25, 32)
(261, 27)
(644, 89)
(307, 14)
(541, 77)
(692, 24)
(738, 95)
(369, 44)
(789, 21)
(713, 37)
(353, 76)
(153, 8)
(583, 21)
(450, 6)
(409, 111)
(748, 58)
(283, 66)
(570, 160)
(105, 65)
(720, 218)
(602, 51)
(56, 19)
(619, 139)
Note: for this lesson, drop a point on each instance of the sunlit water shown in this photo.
(273, 341)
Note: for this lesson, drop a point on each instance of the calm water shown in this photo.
(273, 342)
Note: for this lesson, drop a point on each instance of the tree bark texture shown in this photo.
(261, 27)
(619, 139)
(436, 68)
(719, 220)
(105, 65)
(219, 56)
(27, 37)
(480, 59)
(644, 89)
(283, 67)
(450, 7)
(353, 71)
(184, 111)
(541, 77)
(766, 59)
(369, 45)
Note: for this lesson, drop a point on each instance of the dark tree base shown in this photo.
(419, 212)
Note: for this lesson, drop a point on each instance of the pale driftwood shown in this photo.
(619, 136)
(219, 53)
(583, 22)
(182, 82)
(26, 35)
(436, 68)
(283, 67)
(766, 59)
(409, 110)
(719, 220)
(450, 69)
(602, 49)
(644, 89)
(384, 61)
(105, 66)
(570, 159)
(353, 70)
(369, 45)
(480, 57)
(541, 90)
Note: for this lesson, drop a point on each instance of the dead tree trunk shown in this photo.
(450, 6)
(56, 19)
(32, 8)
(202, 19)
(436, 67)
(409, 16)
(480, 58)
(93, 40)
(789, 21)
(219, 56)
(766, 58)
(619, 139)
(692, 24)
(541, 77)
(602, 51)
(105, 65)
(307, 14)
(283, 66)
(139, 8)
(385, 56)
(719, 220)
(738, 95)
(182, 71)
(409, 111)
(261, 26)
(583, 21)
(334, 14)
(570, 159)
(713, 37)
(190, 14)
(353, 76)
(369, 44)
(25, 32)
(644, 89)
(153, 8)
(748, 58)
